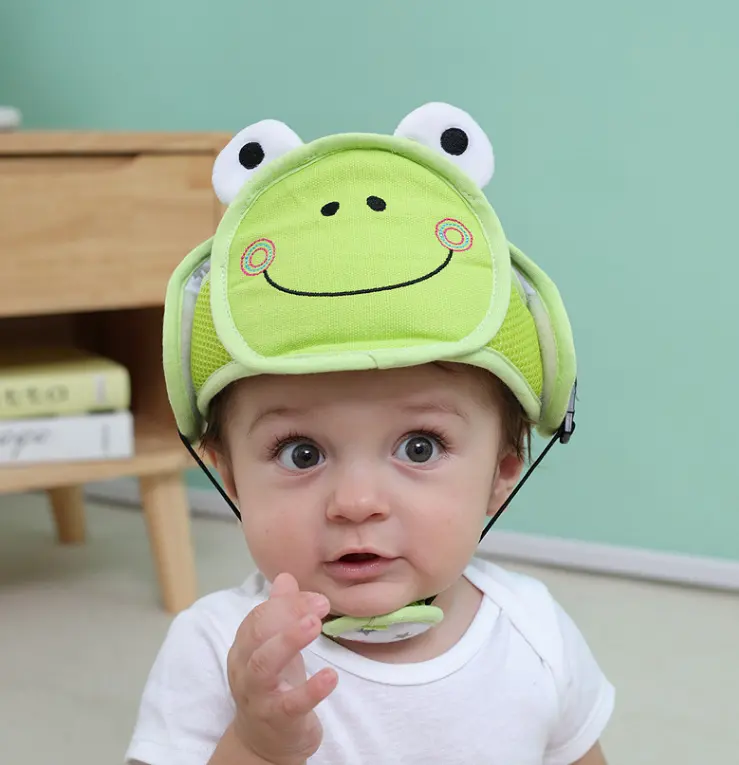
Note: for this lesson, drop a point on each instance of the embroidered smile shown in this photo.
(344, 293)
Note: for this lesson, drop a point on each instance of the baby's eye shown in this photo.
(419, 448)
(300, 454)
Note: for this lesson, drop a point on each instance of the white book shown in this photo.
(94, 436)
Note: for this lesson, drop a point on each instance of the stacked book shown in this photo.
(63, 404)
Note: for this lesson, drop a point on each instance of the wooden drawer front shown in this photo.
(94, 232)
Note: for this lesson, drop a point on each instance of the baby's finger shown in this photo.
(270, 659)
(284, 584)
(273, 616)
(299, 701)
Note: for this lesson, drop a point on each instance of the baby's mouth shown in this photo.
(358, 557)
(358, 566)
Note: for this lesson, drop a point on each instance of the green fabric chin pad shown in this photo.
(292, 285)
(415, 613)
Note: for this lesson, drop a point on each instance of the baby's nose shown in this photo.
(357, 498)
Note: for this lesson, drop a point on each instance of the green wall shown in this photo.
(615, 127)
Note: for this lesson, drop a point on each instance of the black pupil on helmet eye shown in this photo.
(251, 155)
(305, 456)
(454, 141)
(419, 449)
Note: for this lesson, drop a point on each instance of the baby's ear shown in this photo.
(218, 460)
(506, 477)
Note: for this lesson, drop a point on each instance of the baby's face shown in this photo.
(401, 465)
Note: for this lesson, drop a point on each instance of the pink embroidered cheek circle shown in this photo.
(454, 235)
(257, 257)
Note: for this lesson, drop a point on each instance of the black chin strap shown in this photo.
(557, 437)
(210, 475)
(563, 435)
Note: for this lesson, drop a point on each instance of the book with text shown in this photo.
(99, 436)
(41, 382)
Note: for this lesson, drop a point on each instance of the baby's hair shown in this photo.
(515, 424)
(213, 433)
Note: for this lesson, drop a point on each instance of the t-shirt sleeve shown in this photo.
(187, 704)
(585, 695)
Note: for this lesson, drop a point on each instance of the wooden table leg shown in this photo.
(68, 508)
(167, 515)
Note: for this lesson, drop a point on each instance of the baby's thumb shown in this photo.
(284, 584)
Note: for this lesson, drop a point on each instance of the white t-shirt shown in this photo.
(520, 687)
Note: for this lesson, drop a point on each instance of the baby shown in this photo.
(362, 355)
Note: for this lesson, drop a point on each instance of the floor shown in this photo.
(79, 628)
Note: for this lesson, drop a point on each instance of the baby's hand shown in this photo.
(274, 699)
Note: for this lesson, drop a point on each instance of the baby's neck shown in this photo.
(459, 604)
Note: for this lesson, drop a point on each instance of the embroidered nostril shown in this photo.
(330, 208)
(376, 203)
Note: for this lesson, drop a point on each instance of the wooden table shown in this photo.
(91, 227)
